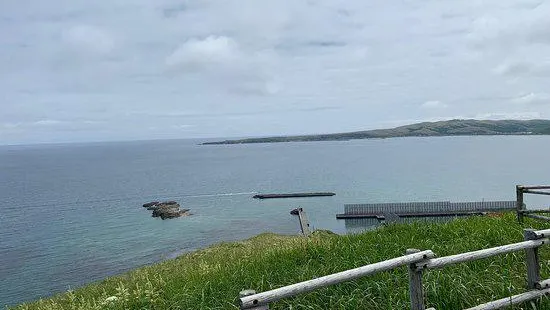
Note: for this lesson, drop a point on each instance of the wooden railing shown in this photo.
(520, 205)
(417, 263)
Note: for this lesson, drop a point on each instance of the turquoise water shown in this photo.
(71, 214)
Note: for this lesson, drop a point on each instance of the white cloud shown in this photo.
(221, 60)
(9, 125)
(532, 99)
(46, 122)
(254, 85)
(39, 123)
(89, 39)
(182, 126)
(540, 31)
(508, 115)
(211, 51)
(485, 29)
(434, 104)
(523, 68)
(512, 26)
(480, 116)
(514, 68)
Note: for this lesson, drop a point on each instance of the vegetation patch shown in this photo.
(212, 278)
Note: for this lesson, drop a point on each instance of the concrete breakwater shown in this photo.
(293, 195)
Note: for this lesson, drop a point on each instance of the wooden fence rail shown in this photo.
(520, 204)
(419, 262)
(249, 302)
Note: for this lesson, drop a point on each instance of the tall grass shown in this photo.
(212, 278)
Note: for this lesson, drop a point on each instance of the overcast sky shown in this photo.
(82, 70)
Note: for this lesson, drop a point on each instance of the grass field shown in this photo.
(212, 278)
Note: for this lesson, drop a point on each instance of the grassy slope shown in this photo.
(455, 127)
(212, 278)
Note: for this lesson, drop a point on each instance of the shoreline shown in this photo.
(214, 276)
(455, 127)
(234, 142)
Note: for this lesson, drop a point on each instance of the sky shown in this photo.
(80, 70)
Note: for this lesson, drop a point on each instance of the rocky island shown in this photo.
(166, 209)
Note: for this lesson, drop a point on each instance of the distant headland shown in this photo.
(456, 127)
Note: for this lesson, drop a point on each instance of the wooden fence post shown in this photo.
(416, 292)
(519, 203)
(532, 257)
(248, 293)
(304, 223)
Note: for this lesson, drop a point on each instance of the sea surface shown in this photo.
(71, 214)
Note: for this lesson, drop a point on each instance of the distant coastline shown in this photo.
(457, 127)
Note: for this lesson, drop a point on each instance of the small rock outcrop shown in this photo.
(153, 203)
(166, 209)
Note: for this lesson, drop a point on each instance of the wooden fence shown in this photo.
(423, 209)
(521, 207)
(417, 263)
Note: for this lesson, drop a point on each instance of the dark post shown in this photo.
(416, 292)
(304, 223)
(519, 203)
(532, 257)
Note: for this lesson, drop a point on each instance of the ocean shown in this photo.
(71, 214)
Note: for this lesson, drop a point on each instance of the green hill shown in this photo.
(455, 127)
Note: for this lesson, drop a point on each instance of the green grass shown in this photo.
(212, 278)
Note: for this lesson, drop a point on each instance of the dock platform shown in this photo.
(424, 209)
